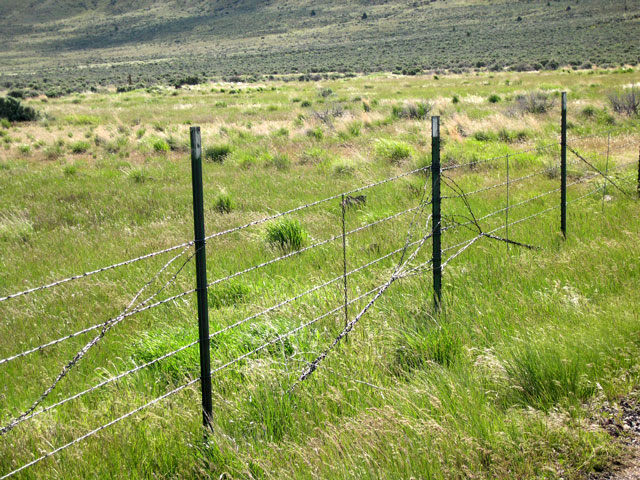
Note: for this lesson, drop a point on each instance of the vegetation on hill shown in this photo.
(58, 46)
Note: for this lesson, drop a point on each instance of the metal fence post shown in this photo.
(563, 167)
(435, 205)
(201, 276)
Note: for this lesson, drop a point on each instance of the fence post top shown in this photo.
(564, 99)
(435, 126)
(196, 143)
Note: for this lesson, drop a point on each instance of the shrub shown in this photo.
(507, 136)
(589, 111)
(305, 104)
(455, 99)
(223, 203)
(24, 149)
(79, 147)
(535, 102)
(287, 234)
(325, 92)
(626, 103)
(413, 111)
(14, 111)
(217, 153)
(4, 123)
(355, 128)
(392, 151)
(493, 98)
(282, 132)
(140, 132)
(70, 170)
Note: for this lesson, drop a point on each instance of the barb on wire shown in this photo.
(106, 326)
(605, 176)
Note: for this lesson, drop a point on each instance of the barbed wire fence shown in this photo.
(423, 228)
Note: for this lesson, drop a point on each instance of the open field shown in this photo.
(507, 382)
(57, 46)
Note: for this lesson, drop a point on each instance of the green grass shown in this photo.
(507, 382)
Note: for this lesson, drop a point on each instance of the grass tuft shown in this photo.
(287, 234)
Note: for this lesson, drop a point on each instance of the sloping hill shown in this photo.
(156, 41)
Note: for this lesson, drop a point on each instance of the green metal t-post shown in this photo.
(563, 167)
(435, 209)
(201, 276)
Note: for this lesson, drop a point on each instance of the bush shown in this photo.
(626, 103)
(223, 203)
(535, 102)
(13, 110)
(217, 153)
(589, 111)
(305, 104)
(287, 234)
(493, 98)
(79, 147)
(4, 123)
(413, 111)
(160, 145)
(392, 151)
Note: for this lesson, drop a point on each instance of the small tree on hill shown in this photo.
(14, 111)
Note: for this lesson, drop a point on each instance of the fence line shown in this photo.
(219, 332)
(403, 269)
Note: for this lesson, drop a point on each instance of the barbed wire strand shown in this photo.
(105, 328)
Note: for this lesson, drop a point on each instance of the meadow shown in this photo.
(510, 378)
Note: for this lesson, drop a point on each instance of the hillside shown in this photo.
(160, 41)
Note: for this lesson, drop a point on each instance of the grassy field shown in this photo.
(57, 46)
(507, 382)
